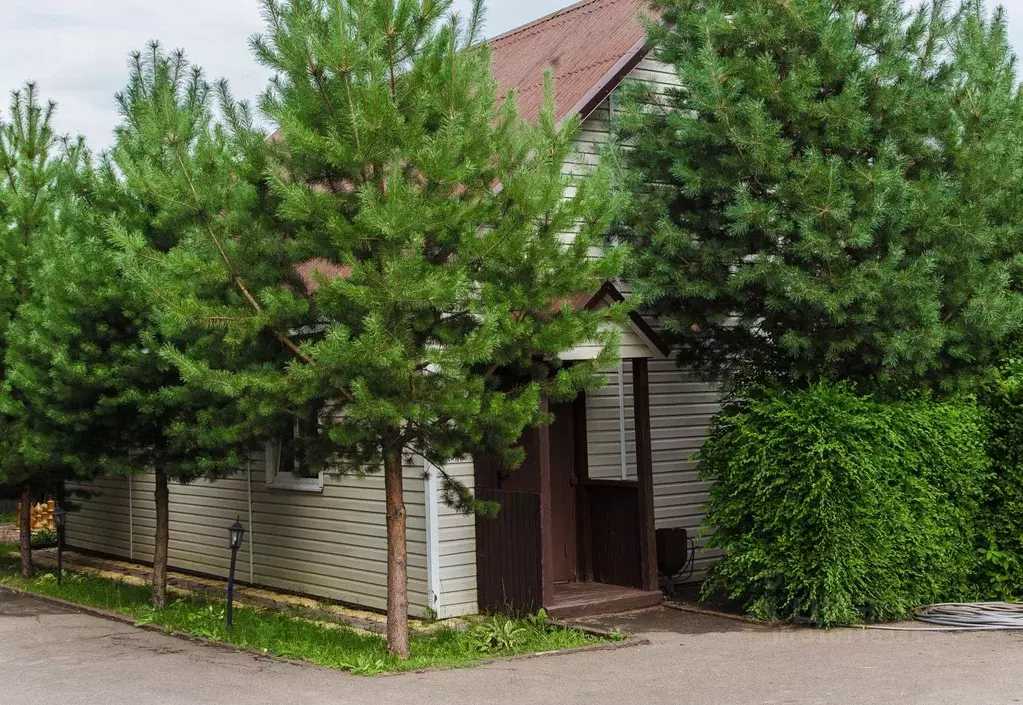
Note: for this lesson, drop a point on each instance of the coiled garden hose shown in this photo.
(973, 615)
(964, 616)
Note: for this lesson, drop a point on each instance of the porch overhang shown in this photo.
(638, 338)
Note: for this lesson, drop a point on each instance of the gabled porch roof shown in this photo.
(638, 338)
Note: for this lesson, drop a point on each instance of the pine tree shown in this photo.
(30, 163)
(170, 175)
(834, 192)
(422, 253)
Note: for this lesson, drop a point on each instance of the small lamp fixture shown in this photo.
(237, 532)
(59, 519)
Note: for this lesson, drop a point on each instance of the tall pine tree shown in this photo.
(833, 192)
(423, 254)
(30, 165)
(46, 397)
(170, 175)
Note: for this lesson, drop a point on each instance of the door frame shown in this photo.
(641, 492)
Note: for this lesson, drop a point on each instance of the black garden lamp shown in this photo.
(237, 533)
(59, 519)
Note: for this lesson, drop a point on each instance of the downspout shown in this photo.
(432, 538)
(131, 520)
(251, 533)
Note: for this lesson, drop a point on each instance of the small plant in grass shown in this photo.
(497, 634)
(44, 537)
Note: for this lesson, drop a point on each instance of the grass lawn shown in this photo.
(8, 517)
(270, 631)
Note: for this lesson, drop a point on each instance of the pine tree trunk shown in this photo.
(25, 533)
(397, 557)
(161, 495)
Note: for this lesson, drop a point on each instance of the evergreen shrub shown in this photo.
(1000, 573)
(834, 508)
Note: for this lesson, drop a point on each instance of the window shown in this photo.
(286, 461)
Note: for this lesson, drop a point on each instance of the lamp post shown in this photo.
(59, 517)
(237, 531)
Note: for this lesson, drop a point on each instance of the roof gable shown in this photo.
(590, 46)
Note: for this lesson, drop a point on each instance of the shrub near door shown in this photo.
(838, 509)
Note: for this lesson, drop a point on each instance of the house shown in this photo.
(576, 530)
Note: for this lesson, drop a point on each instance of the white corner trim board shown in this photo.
(433, 583)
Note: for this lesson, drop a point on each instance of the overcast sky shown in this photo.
(76, 50)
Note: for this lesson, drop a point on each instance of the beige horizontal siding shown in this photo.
(102, 522)
(457, 551)
(330, 544)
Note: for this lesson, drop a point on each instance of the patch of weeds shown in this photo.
(289, 636)
(44, 537)
(497, 634)
(8, 517)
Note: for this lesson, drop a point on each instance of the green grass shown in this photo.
(8, 517)
(288, 636)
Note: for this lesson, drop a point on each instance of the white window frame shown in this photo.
(278, 479)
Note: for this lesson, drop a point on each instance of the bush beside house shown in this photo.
(838, 509)
(1000, 573)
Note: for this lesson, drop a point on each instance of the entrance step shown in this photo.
(590, 599)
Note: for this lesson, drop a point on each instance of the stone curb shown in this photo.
(715, 613)
(124, 619)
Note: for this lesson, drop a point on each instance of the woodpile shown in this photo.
(42, 516)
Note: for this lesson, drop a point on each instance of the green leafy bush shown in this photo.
(1000, 573)
(44, 537)
(836, 509)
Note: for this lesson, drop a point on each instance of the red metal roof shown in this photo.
(308, 270)
(590, 46)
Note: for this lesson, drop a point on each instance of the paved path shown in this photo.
(51, 655)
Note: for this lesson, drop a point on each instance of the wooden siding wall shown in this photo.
(508, 560)
(330, 544)
(614, 532)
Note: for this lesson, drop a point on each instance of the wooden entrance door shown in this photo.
(563, 494)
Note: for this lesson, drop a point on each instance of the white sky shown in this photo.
(76, 50)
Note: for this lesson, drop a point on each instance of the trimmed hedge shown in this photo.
(838, 509)
(1000, 573)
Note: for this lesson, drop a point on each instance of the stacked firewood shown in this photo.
(42, 516)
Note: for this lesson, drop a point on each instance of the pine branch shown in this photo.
(281, 337)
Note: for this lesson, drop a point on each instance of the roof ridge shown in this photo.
(512, 35)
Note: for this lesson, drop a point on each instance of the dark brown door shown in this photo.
(563, 485)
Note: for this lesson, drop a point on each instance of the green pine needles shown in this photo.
(389, 268)
(833, 193)
(36, 192)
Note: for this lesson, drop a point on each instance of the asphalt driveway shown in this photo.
(53, 655)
